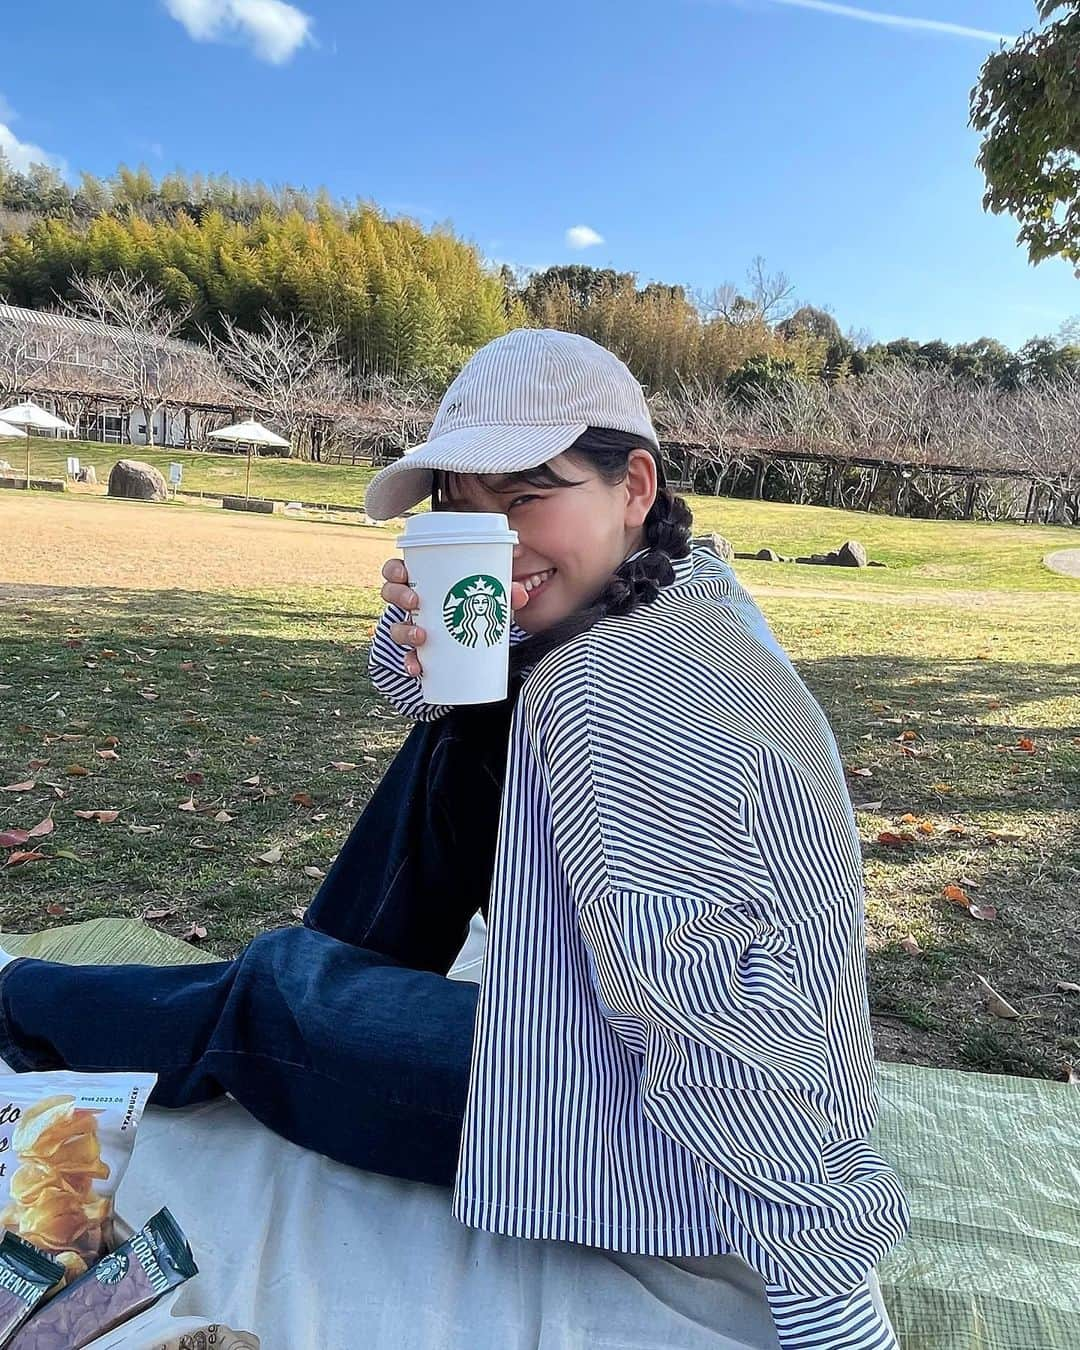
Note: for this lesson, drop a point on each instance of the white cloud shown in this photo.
(581, 236)
(21, 154)
(274, 29)
(896, 20)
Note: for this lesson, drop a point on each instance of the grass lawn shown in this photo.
(219, 661)
(283, 479)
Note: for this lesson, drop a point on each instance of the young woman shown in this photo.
(669, 1052)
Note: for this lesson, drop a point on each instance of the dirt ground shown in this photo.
(89, 544)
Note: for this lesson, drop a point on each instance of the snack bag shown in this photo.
(26, 1276)
(124, 1283)
(65, 1141)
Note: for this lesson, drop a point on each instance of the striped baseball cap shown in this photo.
(519, 401)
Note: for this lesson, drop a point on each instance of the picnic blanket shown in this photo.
(308, 1253)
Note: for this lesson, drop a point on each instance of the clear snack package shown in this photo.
(65, 1141)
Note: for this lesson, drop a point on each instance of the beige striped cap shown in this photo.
(518, 402)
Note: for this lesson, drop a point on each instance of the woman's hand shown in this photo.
(397, 591)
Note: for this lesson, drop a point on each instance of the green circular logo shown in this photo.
(475, 611)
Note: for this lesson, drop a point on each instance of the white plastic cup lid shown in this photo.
(456, 527)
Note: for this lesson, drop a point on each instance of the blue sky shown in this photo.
(688, 136)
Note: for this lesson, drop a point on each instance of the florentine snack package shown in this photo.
(116, 1289)
(65, 1141)
(26, 1276)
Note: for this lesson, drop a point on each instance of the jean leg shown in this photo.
(418, 863)
(336, 1048)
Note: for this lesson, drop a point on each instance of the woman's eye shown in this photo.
(528, 497)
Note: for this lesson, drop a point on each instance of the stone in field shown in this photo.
(767, 555)
(135, 478)
(851, 554)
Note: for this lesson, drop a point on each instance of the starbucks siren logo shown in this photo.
(475, 611)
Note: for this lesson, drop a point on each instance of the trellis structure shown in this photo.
(863, 483)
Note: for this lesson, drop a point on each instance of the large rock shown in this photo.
(723, 548)
(767, 555)
(851, 554)
(134, 478)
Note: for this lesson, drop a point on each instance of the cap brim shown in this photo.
(496, 449)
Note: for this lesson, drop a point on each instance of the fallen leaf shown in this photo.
(911, 750)
(253, 740)
(301, 799)
(42, 827)
(10, 838)
(861, 773)
(107, 754)
(144, 829)
(941, 787)
(912, 947)
(149, 695)
(195, 933)
(956, 831)
(272, 855)
(982, 911)
(316, 872)
(111, 742)
(319, 815)
(189, 805)
(908, 818)
(153, 915)
(908, 735)
(38, 764)
(994, 1002)
(1068, 986)
(1026, 744)
(103, 817)
(223, 817)
(55, 909)
(253, 781)
(194, 778)
(20, 787)
(342, 765)
(21, 856)
(1004, 836)
(294, 701)
(957, 895)
(77, 771)
(892, 840)
(926, 827)
(66, 853)
(297, 913)
(187, 665)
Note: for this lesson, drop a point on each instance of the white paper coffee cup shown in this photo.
(460, 564)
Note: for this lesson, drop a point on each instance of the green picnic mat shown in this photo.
(991, 1164)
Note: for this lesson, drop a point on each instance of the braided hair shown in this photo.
(637, 582)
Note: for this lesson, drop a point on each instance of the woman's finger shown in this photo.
(407, 634)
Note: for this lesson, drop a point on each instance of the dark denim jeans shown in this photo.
(343, 1035)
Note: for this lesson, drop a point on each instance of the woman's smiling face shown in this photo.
(573, 536)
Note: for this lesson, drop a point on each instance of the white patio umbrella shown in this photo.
(9, 430)
(248, 433)
(27, 415)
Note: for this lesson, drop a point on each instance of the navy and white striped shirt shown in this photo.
(673, 1051)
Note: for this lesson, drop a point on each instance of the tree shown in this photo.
(291, 369)
(140, 326)
(585, 284)
(1027, 104)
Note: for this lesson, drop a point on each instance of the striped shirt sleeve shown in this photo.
(682, 911)
(386, 667)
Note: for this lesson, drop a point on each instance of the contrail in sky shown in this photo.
(896, 20)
